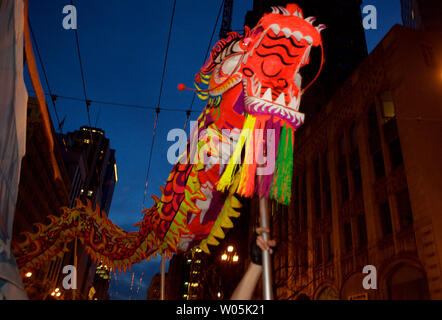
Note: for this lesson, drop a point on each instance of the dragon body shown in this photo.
(241, 146)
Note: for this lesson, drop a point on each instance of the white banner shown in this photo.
(13, 106)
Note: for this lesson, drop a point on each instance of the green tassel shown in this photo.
(282, 180)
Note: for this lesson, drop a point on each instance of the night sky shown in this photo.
(123, 48)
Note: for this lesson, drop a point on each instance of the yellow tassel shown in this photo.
(235, 160)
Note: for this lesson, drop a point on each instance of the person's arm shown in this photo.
(246, 286)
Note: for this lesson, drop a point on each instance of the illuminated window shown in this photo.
(89, 193)
(86, 141)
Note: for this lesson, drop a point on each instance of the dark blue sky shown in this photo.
(123, 45)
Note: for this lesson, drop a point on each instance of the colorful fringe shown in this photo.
(276, 185)
(282, 179)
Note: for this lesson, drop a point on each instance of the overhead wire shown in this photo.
(118, 104)
(88, 102)
(205, 58)
(157, 111)
(53, 97)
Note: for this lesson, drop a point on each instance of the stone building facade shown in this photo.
(367, 187)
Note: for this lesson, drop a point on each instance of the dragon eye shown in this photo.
(244, 43)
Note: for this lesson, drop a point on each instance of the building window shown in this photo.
(304, 202)
(355, 164)
(395, 153)
(296, 204)
(357, 180)
(342, 169)
(378, 163)
(388, 108)
(318, 251)
(362, 231)
(326, 183)
(328, 247)
(394, 146)
(304, 260)
(317, 190)
(375, 143)
(348, 241)
(387, 227)
(404, 208)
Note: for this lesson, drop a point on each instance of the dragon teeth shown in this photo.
(267, 95)
(298, 80)
(275, 28)
(294, 103)
(309, 40)
(297, 35)
(287, 32)
(281, 99)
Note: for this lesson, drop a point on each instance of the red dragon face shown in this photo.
(268, 61)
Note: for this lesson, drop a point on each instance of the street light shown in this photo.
(230, 255)
(28, 274)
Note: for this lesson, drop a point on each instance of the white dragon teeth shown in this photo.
(281, 99)
(267, 95)
(298, 80)
(294, 103)
(287, 32)
(297, 35)
(276, 28)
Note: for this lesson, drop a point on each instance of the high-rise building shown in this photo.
(367, 181)
(344, 45)
(422, 14)
(92, 168)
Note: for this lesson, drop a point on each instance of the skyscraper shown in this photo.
(91, 165)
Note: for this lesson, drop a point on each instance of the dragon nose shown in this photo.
(282, 83)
